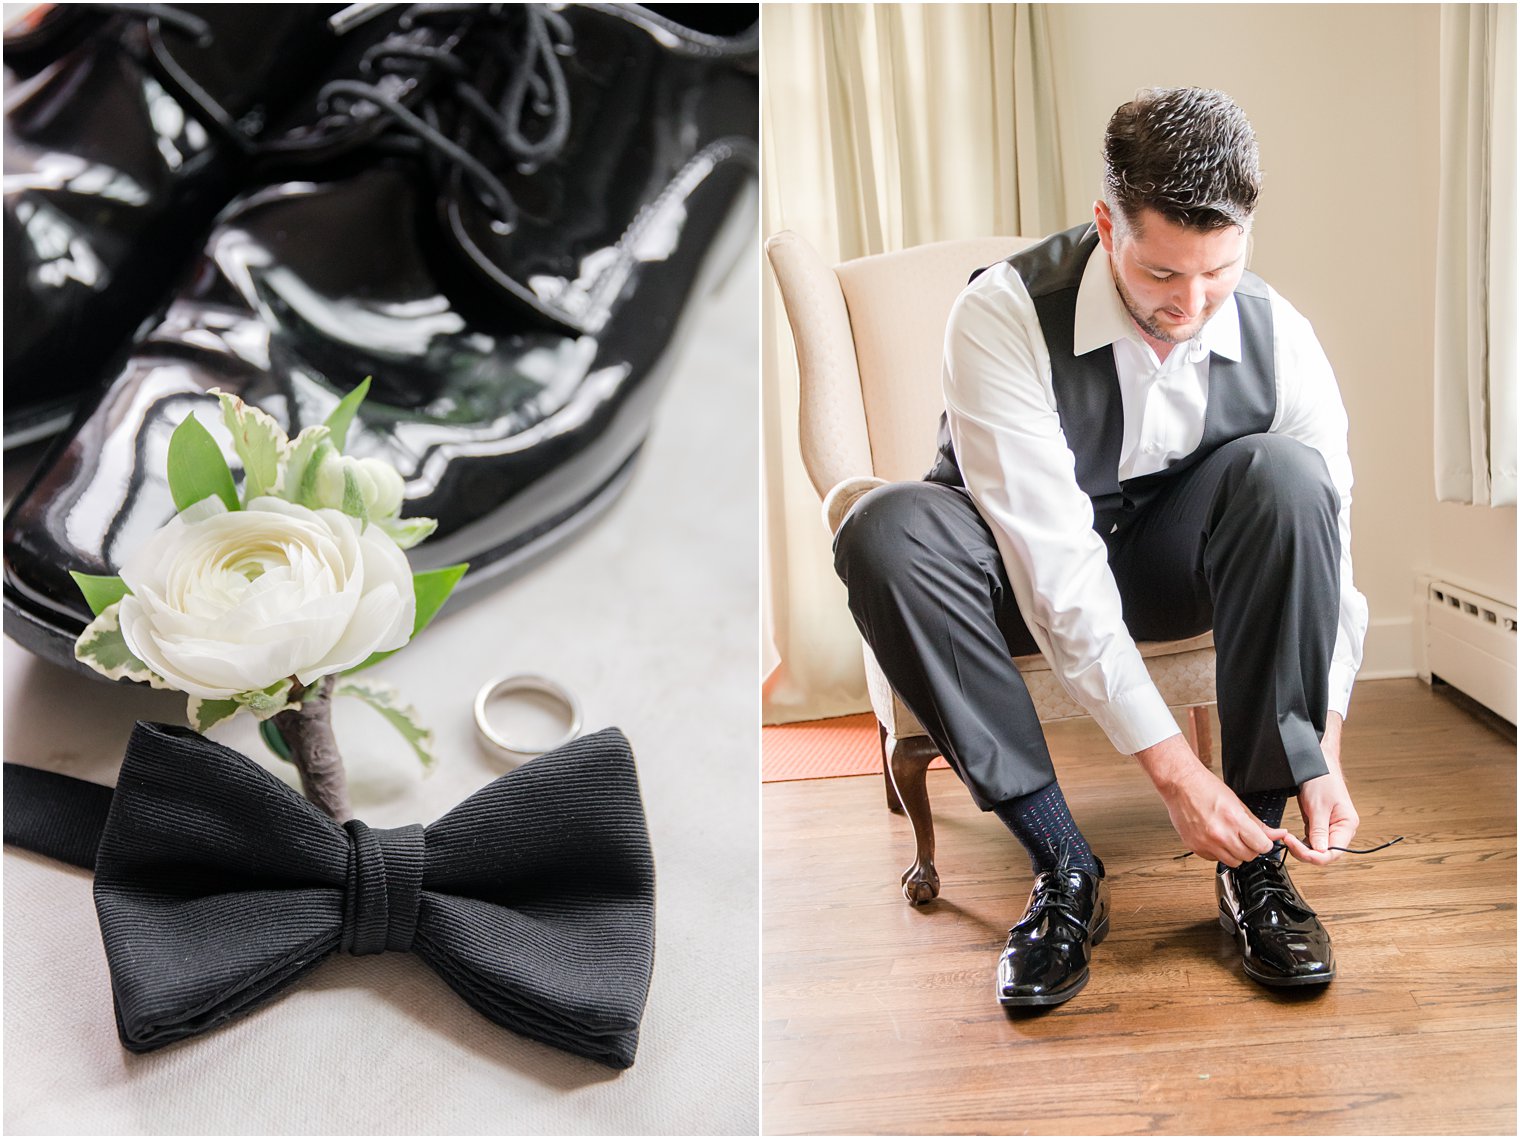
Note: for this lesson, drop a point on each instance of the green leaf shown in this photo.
(403, 717)
(100, 593)
(353, 497)
(310, 450)
(207, 714)
(103, 648)
(407, 532)
(343, 415)
(432, 589)
(259, 442)
(274, 741)
(197, 469)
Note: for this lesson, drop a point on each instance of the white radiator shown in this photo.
(1470, 644)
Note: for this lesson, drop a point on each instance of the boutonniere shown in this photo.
(272, 601)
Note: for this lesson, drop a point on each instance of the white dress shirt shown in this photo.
(1015, 461)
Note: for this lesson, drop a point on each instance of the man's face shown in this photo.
(1171, 278)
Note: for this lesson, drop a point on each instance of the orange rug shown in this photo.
(822, 749)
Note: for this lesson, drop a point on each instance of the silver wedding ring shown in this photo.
(524, 682)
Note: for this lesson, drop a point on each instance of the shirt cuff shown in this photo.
(1341, 680)
(1137, 720)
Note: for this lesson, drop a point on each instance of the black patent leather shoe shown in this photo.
(1280, 938)
(125, 129)
(506, 215)
(1046, 961)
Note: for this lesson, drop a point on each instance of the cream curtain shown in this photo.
(1475, 258)
(883, 126)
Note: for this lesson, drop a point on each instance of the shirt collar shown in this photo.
(1101, 317)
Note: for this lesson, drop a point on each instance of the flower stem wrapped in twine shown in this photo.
(307, 732)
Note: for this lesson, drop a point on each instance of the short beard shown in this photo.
(1147, 325)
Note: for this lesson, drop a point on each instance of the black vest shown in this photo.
(1242, 397)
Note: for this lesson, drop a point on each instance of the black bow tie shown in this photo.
(217, 886)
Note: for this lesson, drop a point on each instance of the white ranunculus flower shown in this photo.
(379, 483)
(225, 602)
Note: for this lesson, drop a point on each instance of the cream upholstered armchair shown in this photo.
(869, 335)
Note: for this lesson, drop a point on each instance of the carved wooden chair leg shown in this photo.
(894, 804)
(908, 763)
(1202, 733)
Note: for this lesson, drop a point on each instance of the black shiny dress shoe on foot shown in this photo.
(1281, 940)
(1049, 949)
(507, 215)
(125, 131)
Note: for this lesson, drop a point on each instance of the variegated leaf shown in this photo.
(207, 714)
(259, 441)
(403, 717)
(103, 648)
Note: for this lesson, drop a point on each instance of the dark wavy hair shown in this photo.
(1186, 152)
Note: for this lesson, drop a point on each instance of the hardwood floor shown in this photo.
(880, 1018)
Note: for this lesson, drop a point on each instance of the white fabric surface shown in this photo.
(1008, 440)
(649, 618)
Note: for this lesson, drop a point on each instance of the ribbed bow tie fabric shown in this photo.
(217, 886)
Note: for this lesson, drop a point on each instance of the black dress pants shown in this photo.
(1243, 541)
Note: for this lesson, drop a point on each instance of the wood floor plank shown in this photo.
(880, 1018)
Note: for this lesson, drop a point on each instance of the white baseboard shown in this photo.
(1388, 653)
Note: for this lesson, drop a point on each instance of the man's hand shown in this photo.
(1212, 821)
(1325, 803)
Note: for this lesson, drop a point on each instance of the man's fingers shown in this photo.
(1231, 849)
(1235, 849)
(1254, 833)
(1319, 835)
(1343, 828)
(1341, 834)
(1299, 851)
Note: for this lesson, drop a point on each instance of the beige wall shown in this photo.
(1474, 546)
(1344, 99)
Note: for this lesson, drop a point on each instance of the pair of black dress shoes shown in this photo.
(1049, 952)
(503, 213)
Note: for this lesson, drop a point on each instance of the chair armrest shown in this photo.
(831, 414)
(837, 503)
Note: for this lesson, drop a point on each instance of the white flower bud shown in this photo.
(379, 483)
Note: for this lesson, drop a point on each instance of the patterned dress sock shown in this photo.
(1268, 807)
(1042, 822)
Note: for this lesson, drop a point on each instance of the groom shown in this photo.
(1142, 440)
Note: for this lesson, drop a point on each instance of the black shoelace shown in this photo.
(1058, 890)
(1342, 849)
(166, 15)
(531, 39)
(1263, 880)
(157, 19)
